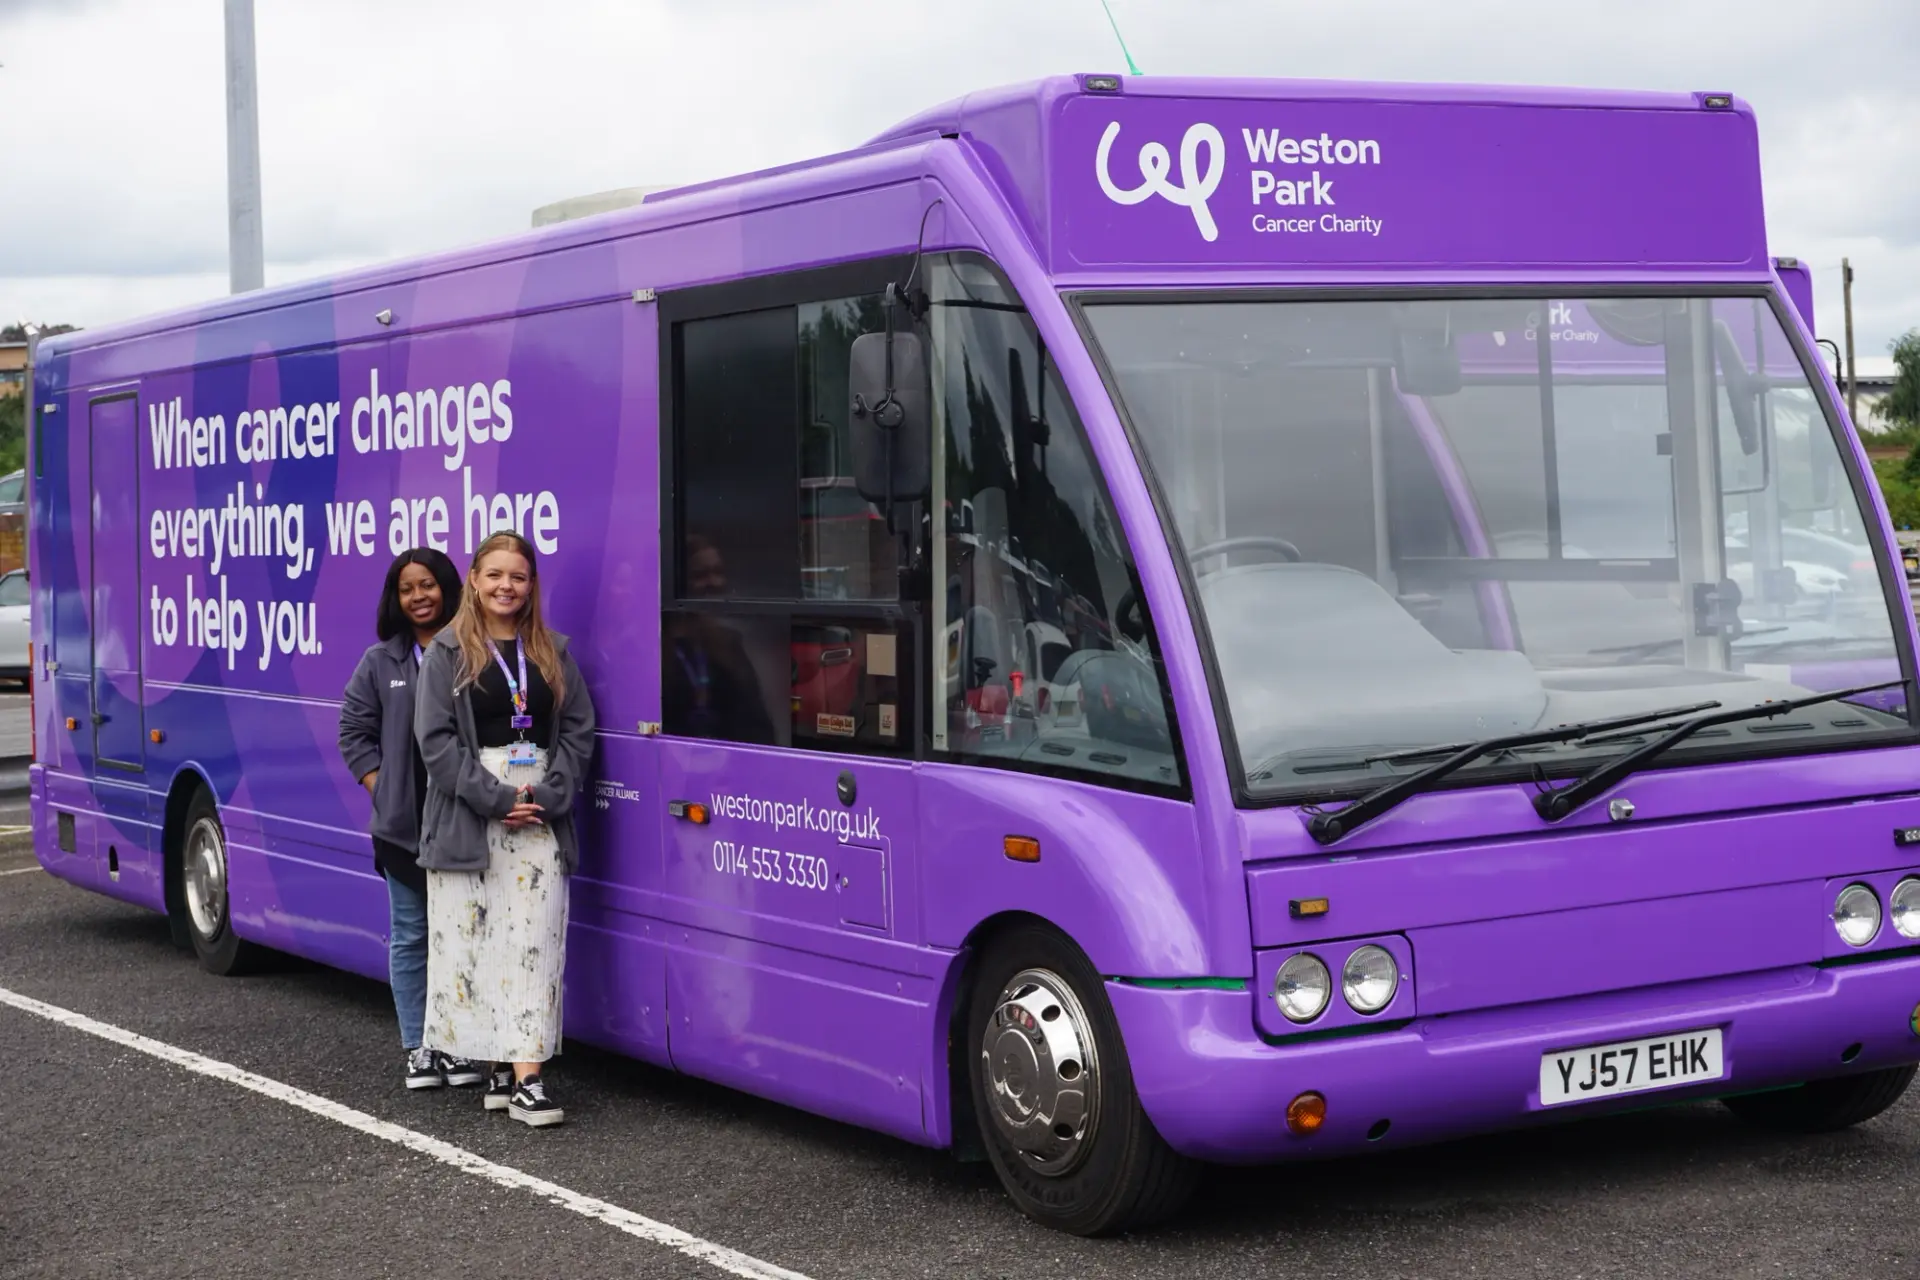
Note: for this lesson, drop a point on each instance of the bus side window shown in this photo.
(1047, 658)
(780, 624)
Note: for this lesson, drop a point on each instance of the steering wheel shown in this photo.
(1227, 546)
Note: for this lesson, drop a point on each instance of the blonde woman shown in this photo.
(505, 728)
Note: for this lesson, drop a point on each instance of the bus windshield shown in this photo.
(1414, 523)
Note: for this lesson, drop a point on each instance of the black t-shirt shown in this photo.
(493, 704)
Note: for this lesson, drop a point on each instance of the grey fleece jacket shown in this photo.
(376, 726)
(462, 797)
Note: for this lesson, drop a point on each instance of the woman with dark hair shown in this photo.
(376, 739)
(506, 729)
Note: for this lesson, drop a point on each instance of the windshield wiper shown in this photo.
(1557, 804)
(1809, 642)
(1328, 827)
(1632, 653)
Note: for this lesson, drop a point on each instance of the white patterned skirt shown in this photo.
(497, 941)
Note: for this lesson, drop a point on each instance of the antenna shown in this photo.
(1131, 68)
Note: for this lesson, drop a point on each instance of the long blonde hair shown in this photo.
(470, 623)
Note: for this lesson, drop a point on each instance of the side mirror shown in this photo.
(1425, 361)
(1820, 468)
(887, 379)
(1029, 428)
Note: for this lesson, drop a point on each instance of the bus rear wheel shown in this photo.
(1824, 1106)
(1054, 1093)
(204, 892)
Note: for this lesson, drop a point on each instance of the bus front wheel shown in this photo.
(204, 892)
(1054, 1093)
(1824, 1106)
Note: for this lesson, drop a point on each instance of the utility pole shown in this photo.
(1846, 301)
(245, 253)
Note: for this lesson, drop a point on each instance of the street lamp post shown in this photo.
(246, 256)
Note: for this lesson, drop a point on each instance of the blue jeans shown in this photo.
(407, 959)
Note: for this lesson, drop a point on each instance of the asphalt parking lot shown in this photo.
(120, 1163)
(135, 1144)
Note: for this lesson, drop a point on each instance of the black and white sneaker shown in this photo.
(423, 1069)
(459, 1072)
(531, 1105)
(499, 1087)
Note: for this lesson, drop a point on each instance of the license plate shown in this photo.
(1630, 1066)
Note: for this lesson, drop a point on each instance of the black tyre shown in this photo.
(1823, 1106)
(203, 892)
(1054, 1093)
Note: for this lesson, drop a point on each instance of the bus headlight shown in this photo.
(1903, 907)
(1856, 914)
(1369, 979)
(1302, 987)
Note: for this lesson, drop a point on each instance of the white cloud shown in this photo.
(390, 129)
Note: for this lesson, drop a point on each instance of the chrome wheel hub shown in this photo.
(206, 878)
(1042, 1072)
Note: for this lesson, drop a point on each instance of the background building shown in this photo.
(1875, 375)
(13, 368)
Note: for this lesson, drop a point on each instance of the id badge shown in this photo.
(520, 753)
(522, 722)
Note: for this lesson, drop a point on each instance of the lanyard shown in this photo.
(516, 689)
(417, 656)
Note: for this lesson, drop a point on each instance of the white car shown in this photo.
(1816, 582)
(16, 640)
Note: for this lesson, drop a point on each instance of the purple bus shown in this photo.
(1796, 278)
(1135, 623)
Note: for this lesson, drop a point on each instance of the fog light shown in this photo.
(1302, 987)
(1915, 1022)
(1903, 907)
(1306, 1113)
(1856, 915)
(1369, 978)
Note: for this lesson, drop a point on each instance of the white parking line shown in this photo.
(728, 1260)
(14, 831)
(19, 871)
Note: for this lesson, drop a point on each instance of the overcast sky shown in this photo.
(389, 127)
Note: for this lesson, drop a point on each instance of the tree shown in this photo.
(1903, 499)
(18, 332)
(13, 433)
(1900, 408)
(13, 409)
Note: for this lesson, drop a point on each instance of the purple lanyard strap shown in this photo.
(516, 689)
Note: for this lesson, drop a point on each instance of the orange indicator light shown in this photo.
(156, 735)
(1022, 848)
(1306, 1113)
(1307, 908)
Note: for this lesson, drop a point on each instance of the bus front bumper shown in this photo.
(1217, 1091)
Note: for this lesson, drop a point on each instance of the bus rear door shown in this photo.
(111, 571)
(119, 732)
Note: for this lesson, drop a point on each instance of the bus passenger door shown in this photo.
(119, 731)
(786, 890)
(787, 782)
